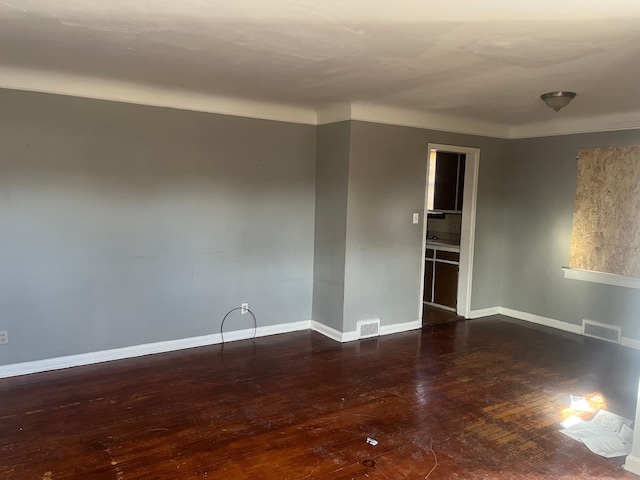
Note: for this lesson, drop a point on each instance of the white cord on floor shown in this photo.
(435, 457)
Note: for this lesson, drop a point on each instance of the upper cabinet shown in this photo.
(446, 182)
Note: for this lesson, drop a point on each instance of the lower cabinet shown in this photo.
(441, 278)
(445, 284)
(428, 281)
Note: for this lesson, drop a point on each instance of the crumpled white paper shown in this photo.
(607, 434)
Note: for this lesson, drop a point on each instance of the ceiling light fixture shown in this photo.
(557, 100)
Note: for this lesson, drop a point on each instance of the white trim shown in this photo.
(601, 277)
(439, 260)
(266, 331)
(630, 343)
(632, 464)
(483, 312)
(441, 307)
(400, 327)
(565, 125)
(540, 320)
(560, 325)
(68, 361)
(468, 230)
(444, 248)
(344, 337)
(423, 249)
(334, 334)
(333, 113)
(117, 91)
(351, 336)
(330, 332)
(370, 112)
(144, 94)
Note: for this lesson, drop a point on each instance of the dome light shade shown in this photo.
(557, 100)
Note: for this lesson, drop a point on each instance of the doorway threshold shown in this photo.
(434, 316)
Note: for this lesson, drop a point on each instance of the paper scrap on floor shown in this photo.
(579, 404)
(607, 434)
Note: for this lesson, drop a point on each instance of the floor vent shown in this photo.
(601, 331)
(369, 328)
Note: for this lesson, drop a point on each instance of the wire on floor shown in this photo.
(435, 457)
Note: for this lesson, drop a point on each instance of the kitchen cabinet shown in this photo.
(428, 276)
(441, 276)
(445, 284)
(448, 184)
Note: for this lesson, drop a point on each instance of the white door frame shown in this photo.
(468, 227)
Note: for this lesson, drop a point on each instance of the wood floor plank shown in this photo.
(467, 399)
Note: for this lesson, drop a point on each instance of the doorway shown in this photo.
(467, 219)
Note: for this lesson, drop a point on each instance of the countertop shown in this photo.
(441, 244)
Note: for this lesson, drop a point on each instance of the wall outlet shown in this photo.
(244, 307)
(4, 337)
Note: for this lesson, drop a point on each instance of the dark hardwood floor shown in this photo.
(483, 397)
(433, 315)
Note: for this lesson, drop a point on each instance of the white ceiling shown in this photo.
(466, 65)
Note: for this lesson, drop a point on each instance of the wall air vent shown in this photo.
(369, 328)
(601, 331)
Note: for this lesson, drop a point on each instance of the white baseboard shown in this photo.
(400, 327)
(68, 361)
(630, 342)
(632, 464)
(350, 336)
(547, 322)
(560, 325)
(330, 332)
(483, 312)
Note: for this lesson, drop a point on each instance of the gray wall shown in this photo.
(123, 224)
(387, 176)
(332, 178)
(540, 193)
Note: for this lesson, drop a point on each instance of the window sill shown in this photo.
(599, 277)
